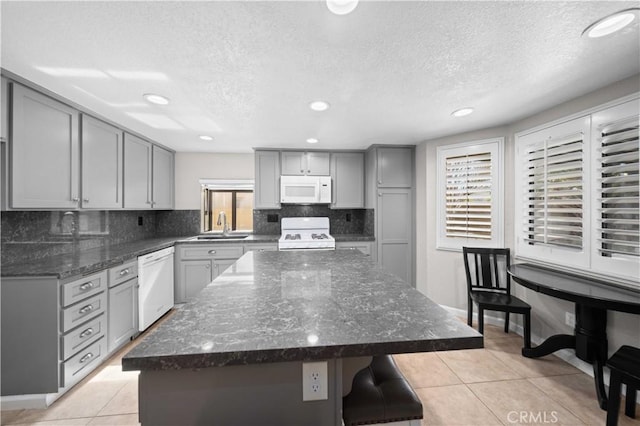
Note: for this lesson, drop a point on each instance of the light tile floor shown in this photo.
(490, 386)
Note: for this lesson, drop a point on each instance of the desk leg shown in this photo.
(591, 344)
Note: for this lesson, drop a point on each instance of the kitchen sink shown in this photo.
(222, 237)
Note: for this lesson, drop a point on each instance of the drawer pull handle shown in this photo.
(87, 357)
(86, 309)
(86, 286)
(124, 272)
(87, 332)
(212, 252)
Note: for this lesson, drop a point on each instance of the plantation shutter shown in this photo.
(553, 185)
(468, 196)
(618, 204)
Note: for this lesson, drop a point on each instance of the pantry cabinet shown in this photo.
(44, 152)
(102, 162)
(305, 163)
(347, 175)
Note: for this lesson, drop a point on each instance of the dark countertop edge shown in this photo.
(207, 360)
(132, 250)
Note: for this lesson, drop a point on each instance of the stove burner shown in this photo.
(319, 236)
(292, 237)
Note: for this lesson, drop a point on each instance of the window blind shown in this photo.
(468, 196)
(618, 202)
(554, 191)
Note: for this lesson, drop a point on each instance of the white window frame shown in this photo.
(494, 146)
(572, 257)
(588, 262)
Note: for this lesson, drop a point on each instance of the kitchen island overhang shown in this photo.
(263, 317)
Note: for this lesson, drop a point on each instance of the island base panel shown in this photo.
(257, 394)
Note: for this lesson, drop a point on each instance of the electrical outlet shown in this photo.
(570, 319)
(314, 381)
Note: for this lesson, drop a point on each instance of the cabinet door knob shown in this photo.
(301, 171)
(308, 171)
(207, 266)
(85, 200)
(75, 199)
(379, 194)
(379, 182)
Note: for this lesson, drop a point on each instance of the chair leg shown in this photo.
(480, 320)
(630, 405)
(506, 322)
(527, 330)
(614, 399)
(469, 312)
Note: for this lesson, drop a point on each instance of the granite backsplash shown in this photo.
(343, 221)
(32, 235)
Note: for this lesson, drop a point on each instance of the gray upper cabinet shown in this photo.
(305, 163)
(347, 174)
(137, 172)
(162, 183)
(101, 165)
(44, 150)
(266, 193)
(395, 167)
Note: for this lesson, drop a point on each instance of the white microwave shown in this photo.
(305, 189)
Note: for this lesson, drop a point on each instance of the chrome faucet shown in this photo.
(222, 220)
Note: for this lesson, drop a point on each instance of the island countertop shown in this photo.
(299, 306)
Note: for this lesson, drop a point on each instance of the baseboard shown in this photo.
(21, 402)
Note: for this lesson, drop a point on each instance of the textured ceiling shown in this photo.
(245, 72)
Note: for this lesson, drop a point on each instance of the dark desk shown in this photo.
(592, 298)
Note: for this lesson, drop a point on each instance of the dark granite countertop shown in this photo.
(82, 262)
(292, 306)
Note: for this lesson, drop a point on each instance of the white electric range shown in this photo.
(306, 233)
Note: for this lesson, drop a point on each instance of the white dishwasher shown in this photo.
(155, 280)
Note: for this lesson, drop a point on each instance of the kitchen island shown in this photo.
(234, 355)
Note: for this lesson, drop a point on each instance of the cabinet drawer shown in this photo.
(122, 273)
(261, 247)
(82, 336)
(209, 251)
(77, 290)
(77, 314)
(365, 248)
(82, 363)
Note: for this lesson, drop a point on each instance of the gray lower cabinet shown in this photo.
(45, 152)
(123, 305)
(261, 247)
(52, 331)
(266, 194)
(347, 174)
(199, 264)
(102, 162)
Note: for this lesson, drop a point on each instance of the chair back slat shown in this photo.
(489, 269)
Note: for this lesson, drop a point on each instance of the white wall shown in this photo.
(440, 274)
(191, 167)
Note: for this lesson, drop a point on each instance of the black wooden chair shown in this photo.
(625, 368)
(489, 286)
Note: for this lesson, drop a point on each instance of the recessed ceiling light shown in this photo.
(206, 137)
(156, 99)
(610, 24)
(342, 7)
(312, 140)
(462, 112)
(319, 105)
